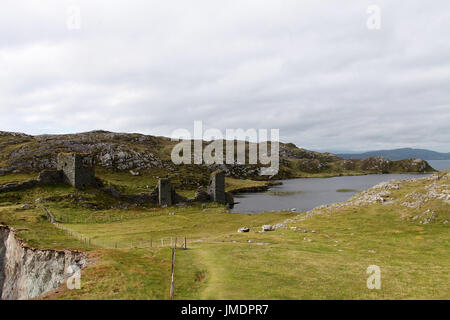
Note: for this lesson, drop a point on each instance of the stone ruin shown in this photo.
(77, 169)
(216, 188)
(72, 168)
(164, 192)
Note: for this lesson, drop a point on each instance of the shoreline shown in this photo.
(417, 176)
(279, 182)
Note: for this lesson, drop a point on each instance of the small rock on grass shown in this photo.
(135, 173)
(267, 227)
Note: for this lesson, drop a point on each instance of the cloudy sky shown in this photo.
(313, 69)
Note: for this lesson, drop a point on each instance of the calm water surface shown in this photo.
(440, 165)
(307, 193)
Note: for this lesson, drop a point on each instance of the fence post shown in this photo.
(172, 286)
(185, 242)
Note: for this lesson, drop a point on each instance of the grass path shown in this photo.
(215, 274)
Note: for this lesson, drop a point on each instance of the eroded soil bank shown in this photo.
(27, 272)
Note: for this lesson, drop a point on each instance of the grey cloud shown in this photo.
(310, 68)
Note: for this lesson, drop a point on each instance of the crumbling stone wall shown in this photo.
(15, 186)
(46, 177)
(148, 198)
(50, 177)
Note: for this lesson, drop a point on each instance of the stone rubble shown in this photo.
(243, 229)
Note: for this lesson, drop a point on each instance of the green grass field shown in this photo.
(324, 256)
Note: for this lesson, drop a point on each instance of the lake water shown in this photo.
(440, 165)
(307, 193)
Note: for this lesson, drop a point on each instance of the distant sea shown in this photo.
(440, 165)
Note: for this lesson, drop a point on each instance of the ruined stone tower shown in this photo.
(216, 188)
(77, 169)
(164, 192)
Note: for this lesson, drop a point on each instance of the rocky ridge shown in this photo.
(131, 151)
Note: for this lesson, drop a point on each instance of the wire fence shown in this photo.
(106, 219)
(171, 242)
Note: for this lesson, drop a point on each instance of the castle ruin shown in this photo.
(77, 169)
(164, 192)
(216, 188)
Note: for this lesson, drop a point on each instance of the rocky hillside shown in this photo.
(130, 151)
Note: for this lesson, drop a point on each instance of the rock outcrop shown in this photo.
(383, 165)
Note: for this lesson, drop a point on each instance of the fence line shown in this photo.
(114, 244)
(91, 220)
(172, 280)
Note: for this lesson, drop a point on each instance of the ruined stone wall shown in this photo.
(15, 186)
(50, 177)
(46, 177)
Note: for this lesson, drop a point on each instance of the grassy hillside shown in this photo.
(323, 254)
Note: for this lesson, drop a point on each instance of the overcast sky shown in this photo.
(313, 69)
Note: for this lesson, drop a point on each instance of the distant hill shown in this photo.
(399, 154)
(151, 155)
